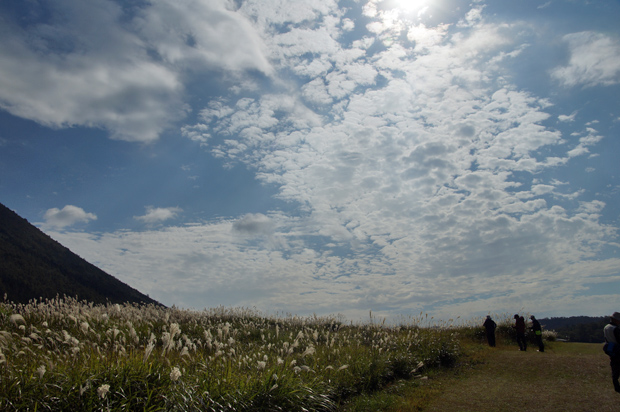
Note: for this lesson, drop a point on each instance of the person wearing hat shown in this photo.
(612, 335)
(490, 325)
(520, 328)
(537, 329)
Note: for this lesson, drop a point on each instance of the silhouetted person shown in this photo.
(612, 337)
(520, 328)
(489, 326)
(537, 329)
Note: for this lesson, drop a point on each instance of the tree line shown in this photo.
(587, 329)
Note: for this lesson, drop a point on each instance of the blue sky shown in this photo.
(449, 157)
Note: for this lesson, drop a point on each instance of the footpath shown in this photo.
(566, 377)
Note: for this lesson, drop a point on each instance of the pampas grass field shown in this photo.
(64, 354)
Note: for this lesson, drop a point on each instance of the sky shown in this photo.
(322, 157)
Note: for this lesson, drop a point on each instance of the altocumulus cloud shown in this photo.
(411, 172)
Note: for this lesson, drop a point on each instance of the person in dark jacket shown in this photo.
(537, 329)
(490, 325)
(612, 335)
(520, 329)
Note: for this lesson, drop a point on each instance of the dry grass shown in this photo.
(567, 377)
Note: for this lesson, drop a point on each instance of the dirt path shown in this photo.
(566, 377)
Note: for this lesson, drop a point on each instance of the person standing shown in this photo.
(520, 328)
(490, 325)
(612, 337)
(537, 329)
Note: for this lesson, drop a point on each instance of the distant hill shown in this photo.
(577, 328)
(33, 266)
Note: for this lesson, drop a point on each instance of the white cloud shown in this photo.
(159, 214)
(198, 34)
(67, 216)
(278, 12)
(348, 24)
(567, 118)
(591, 138)
(594, 60)
(473, 17)
(426, 38)
(198, 133)
(97, 66)
(84, 69)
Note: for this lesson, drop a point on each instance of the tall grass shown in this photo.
(63, 354)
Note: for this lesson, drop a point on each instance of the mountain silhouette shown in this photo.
(34, 266)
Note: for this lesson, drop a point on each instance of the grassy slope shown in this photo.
(567, 377)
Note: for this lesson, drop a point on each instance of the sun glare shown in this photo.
(412, 6)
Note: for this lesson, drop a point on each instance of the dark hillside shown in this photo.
(33, 266)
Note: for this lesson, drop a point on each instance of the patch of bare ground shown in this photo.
(566, 377)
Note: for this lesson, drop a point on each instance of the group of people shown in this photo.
(520, 327)
(611, 334)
